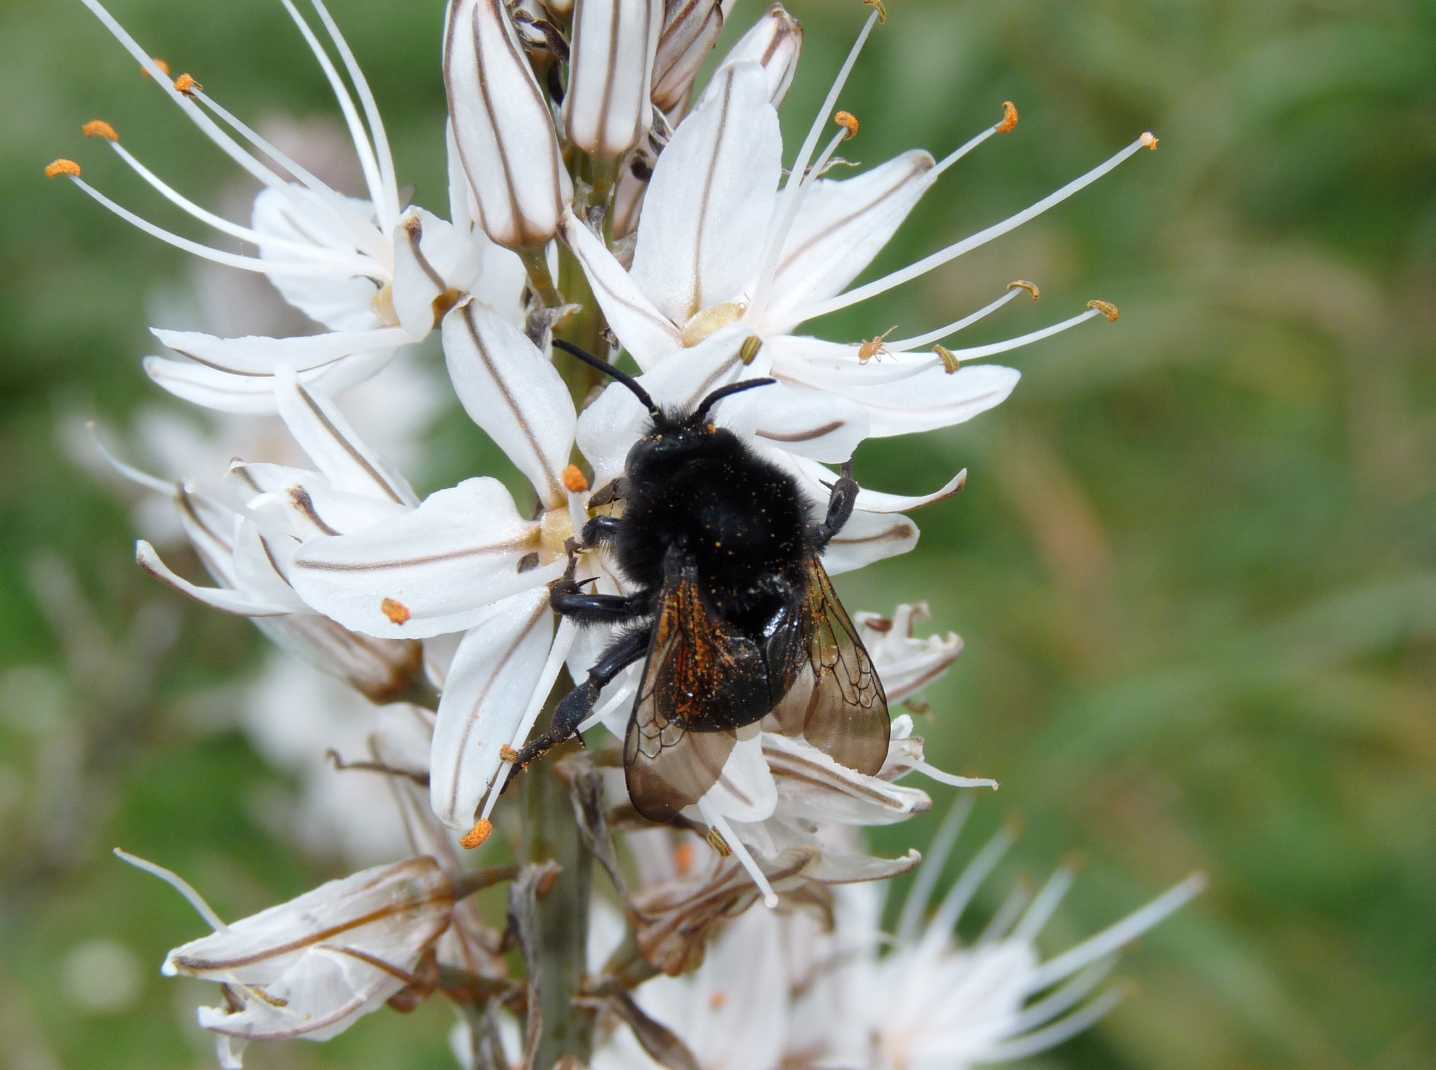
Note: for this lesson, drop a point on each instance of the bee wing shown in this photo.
(836, 701)
(700, 683)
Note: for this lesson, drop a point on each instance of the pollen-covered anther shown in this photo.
(1106, 308)
(187, 84)
(1009, 119)
(100, 128)
(706, 322)
(950, 364)
(162, 64)
(1150, 141)
(881, 8)
(574, 481)
(62, 169)
(508, 754)
(748, 352)
(875, 347)
(477, 836)
(1023, 284)
(396, 611)
(849, 122)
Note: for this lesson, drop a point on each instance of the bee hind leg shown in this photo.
(577, 705)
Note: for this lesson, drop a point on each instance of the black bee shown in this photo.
(732, 609)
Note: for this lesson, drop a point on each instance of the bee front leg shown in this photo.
(601, 529)
(577, 705)
(843, 494)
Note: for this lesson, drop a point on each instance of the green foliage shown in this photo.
(1195, 565)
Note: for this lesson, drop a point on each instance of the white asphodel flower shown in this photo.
(932, 1003)
(722, 245)
(467, 560)
(377, 275)
(781, 989)
(247, 558)
(310, 968)
(502, 127)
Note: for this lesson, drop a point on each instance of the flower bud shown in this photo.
(502, 127)
(775, 42)
(607, 109)
(690, 30)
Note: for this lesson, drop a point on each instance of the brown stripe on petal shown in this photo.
(801, 436)
(349, 448)
(892, 534)
(921, 165)
(427, 559)
(459, 752)
(555, 487)
(706, 196)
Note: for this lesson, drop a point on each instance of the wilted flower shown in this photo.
(311, 967)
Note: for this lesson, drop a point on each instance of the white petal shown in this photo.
(511, 390)
(643, 330)
(334, 446)
(308, 503)
(434, 262)
(797, 420)
(711, 199)
(254, 393)
(812, 786)
(840, 227)
(867, 538)
(607, 109)
(261, 562)
(342, 301)
(259, 356)
(437, 568)
(877, 501)
(901, 396)
(319, 997)
(745, 790)
(221, 598)
(503, 127)
(485, 693)
(775, 42)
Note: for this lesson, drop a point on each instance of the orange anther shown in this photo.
(1009, 119)
(717, 1001)
(881, 8)
(950, 364)
(395, 610)
(1106, 308)
(186, 84)
(62, 169)
(477, 836)
(574, 479)
(1023, 284)
(99, 128)
(1150, 141)
(849, 122)
(163, 65)
(508, 754)
(684, 855)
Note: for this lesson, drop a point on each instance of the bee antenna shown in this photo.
(610, 371)
(701, 413)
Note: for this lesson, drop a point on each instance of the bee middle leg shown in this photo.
(578, 703)
(843, 495)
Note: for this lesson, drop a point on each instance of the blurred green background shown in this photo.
(1195, 565)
